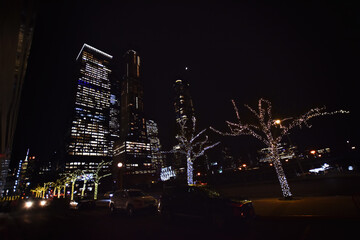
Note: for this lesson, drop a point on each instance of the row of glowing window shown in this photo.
(82, 91)
(88, 154)
(86, 135)
(84, 130)
(96, 127)
(93, 105)
(96, 69)
(88, 148)
(91, 116)
(92, 95)
(80, 126)
(92, 100)
(99, 143)
(93, 61)
(96, 76)
(137, 148)
(86, 77)
(89, 105)
(99, 138)
(143, 172)
(94, 91)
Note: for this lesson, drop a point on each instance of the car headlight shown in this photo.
(28, 204)
(43, 203)
(73, 203)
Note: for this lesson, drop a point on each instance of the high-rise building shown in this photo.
(184, 110)
(157, 158)
(133, 148)
(92, 132)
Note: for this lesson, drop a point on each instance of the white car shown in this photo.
(131, 200)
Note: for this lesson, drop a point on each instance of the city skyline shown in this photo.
(305, 69)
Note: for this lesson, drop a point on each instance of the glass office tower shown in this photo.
(91, 139)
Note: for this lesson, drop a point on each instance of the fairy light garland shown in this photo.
(191, 146)
(264, 131)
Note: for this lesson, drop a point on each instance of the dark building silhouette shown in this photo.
(17, 21)
(133, 148)
(184, 110)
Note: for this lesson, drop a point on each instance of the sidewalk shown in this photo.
(327, 207)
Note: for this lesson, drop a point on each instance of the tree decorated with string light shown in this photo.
(97, 176)
(72, 177)
(191, 146)
(271, 131)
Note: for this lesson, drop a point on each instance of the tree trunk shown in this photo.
(96, 190)
(280, 174)
(190, 170)
(72, 190)
(83, 189)
(64, 190)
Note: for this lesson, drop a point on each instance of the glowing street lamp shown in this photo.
(120, 166)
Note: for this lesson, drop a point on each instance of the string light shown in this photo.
(191, 146)
(264, 131)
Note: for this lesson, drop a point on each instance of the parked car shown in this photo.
(132, 200)
(203, 202)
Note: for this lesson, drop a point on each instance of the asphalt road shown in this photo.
(100, 224)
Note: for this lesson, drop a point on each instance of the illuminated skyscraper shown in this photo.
(133, 148)
(92, 131)
(157, 158)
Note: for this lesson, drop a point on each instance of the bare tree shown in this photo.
(96, 176)
(72, 177)
(191, 146)
(271, 132)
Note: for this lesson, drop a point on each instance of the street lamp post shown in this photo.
(120, 166)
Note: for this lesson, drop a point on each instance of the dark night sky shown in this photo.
(298, 55)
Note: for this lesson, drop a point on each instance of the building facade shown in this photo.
(157, 158)
(133, 149)
(92, 132)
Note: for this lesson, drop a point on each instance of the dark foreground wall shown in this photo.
(309, 186)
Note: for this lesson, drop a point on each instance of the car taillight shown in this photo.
(238, 205)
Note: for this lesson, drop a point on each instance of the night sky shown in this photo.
(297, 55)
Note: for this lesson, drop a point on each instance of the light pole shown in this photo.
(120, 166)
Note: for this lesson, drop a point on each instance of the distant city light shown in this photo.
(324, 167)
(313, 152)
